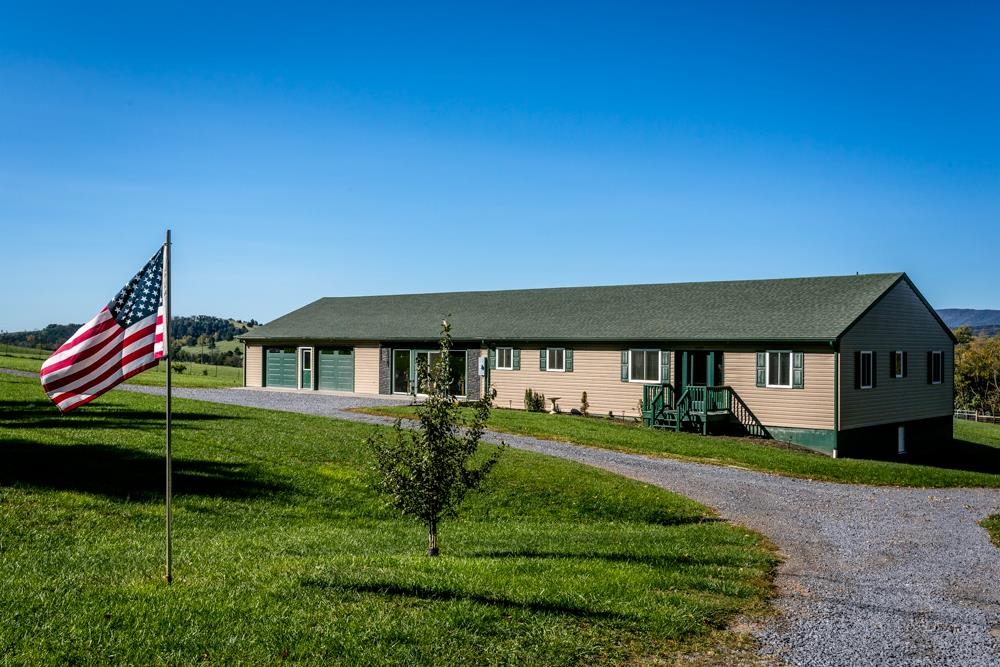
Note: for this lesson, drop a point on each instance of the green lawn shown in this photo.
(283, 554)
(973, 459)
(221, 346)
(992, 526)
(194, 375)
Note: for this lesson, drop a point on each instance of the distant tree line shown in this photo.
(196, 331)
(977, 372)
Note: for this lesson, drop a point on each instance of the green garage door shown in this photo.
(336, 369)
(279, 367)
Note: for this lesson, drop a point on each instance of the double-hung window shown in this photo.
(866, 369)
(935, 367)
(505, 358)
(556, 359)
(644, 366)
(898, 364)
(779, 368)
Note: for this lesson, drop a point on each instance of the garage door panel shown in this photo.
(280, 367)
(336, 369)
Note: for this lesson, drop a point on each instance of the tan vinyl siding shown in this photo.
(596, 370)
(253, 363)
(809, 407)
(900, 321)
(366, 369)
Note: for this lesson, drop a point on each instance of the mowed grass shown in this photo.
(283, 554)
(972, 459)
(194, 375)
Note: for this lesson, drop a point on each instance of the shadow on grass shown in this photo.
(963, 455)
(43, 414)
(434, 594)
(124, 474)
(664, 560)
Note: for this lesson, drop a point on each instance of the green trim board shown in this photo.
(822, 440)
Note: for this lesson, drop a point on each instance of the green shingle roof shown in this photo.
(797, 309)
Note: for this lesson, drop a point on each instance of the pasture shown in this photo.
(284, 554)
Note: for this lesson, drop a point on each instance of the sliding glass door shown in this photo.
(410, 371)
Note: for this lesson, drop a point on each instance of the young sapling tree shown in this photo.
(426, 472)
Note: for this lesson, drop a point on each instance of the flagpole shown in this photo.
(169, 358)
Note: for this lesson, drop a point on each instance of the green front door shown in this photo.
(698, 368)
(336, 369)
(280, 366)
(306, 367)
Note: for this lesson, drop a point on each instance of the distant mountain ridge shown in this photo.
(982, 322)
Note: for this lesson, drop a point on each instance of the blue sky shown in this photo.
(298, 151)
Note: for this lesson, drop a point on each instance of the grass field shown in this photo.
(194, 375)
(221, 346)
(973, 459)
(283, 554)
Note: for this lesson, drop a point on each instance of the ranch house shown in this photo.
(849, 365)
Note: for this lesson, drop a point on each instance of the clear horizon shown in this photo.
(338, 150)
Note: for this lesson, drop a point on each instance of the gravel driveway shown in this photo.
(871, 575)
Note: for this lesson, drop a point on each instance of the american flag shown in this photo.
(124, 339)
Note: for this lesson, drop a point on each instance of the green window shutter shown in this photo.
(542, 359)
(568, 367)
(874, 371)
(624, 365)
(893, 371)
(798, 370)
(664, 366)
(493, 359)
(930, 368)
(904, 363)
(857, 369)
(517, 359)
(762, 369)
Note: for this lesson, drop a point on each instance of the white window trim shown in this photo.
(897, 360)
(510, 350)
(871, 373)
(767, 369)
(659, 364)
(939, 355)
(548, 360)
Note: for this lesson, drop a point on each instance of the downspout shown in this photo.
(486, 371)
(836, 396)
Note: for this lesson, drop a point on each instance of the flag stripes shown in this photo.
(122, 340)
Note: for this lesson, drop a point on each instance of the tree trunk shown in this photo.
(432, 538)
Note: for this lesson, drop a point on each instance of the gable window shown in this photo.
(556, 359)
(505, 358)
(866, 369)
(779, 368)
(644, 366)
(898, 365)
(935, 367)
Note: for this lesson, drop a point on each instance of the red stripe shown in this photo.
(114, 348)
(87, 398)
(81, 335)
(81, 356)
(110, 372)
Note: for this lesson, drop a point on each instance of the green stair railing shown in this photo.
(657, 401)
(661, 406)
